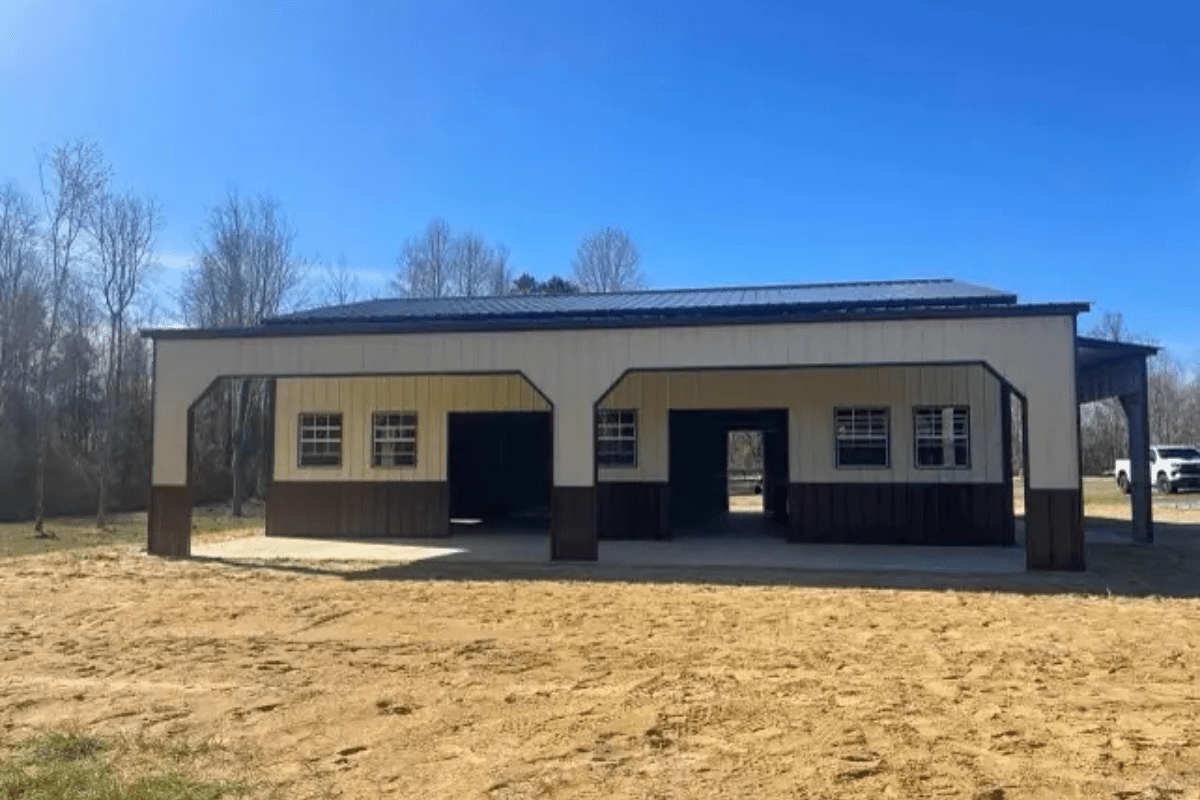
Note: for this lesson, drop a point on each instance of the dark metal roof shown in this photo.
(1091, 352)
(731, 305)
(670, 302)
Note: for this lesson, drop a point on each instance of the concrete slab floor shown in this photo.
(710, 551)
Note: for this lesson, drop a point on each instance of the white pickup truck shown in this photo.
(1172, 467)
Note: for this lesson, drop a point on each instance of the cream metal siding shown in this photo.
(431, 396)
(574, 368)
(810, 396)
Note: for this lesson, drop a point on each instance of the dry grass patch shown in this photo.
(77, 766)
(126, 528)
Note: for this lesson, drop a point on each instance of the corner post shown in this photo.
(1137, 417)
(573, 508)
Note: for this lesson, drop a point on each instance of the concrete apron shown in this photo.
(709, 551)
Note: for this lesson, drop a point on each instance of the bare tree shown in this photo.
(18, 289)
(1111, 327)
(339, 284)
(500, 274)
(440, 264)
(427, 263)
(608, 261)
(1169, 400)
(472, 265)
(123, 229)
(245, 271)
(478, 268)
(72, 177)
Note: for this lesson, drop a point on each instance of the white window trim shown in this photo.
(947, 442)
(887, 436)
(300, 440)
(633, 421)
(375, 440)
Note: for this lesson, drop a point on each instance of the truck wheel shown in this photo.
(1164, 484)
(1123, 483)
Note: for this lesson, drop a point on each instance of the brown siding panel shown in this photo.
(633, 510)
(573, 523)
(884, 513)
(169, 523)
(359, 509)
(1053, 529)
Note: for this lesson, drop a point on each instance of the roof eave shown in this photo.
(625, 320)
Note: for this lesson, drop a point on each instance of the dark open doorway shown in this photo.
(500, 468)
(700, 470)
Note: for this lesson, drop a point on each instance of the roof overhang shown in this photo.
(686, 317)
(1106, 369)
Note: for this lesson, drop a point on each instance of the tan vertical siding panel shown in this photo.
(370, 404)
(517, 393)
(285, 428)
(482, 354)
(504, 391)
(308, 400)
(983, 419)
(441, 403)
(995, 453)
(657, 392)
(856, 347)
(350, 400)
(894, 390)
(530, 396)
(873, 343)
(426, 423)
(741, 346)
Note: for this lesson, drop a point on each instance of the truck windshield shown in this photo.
(1178, 452)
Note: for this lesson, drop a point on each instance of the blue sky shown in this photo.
(1052, 149)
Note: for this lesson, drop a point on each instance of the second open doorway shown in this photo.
(728, 472)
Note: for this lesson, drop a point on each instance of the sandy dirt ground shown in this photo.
(362, 681)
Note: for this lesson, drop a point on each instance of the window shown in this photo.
(616, 438)
(862, 437)
(943, 436)
(320, 440)
(394, 443)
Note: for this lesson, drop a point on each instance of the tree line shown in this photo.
(78, 258)
(75, 260)
(441, 263)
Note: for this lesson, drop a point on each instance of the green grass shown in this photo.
(74, 533)
(1105, 491)
(58, 766)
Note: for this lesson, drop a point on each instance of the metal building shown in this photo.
(884, 408)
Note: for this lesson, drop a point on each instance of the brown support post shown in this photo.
(169, 521)
(1053, 520)
(573, 524)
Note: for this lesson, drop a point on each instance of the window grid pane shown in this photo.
(862, 437)
(616, 438)
(942, 436)
(394, 439)
(320, 440)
